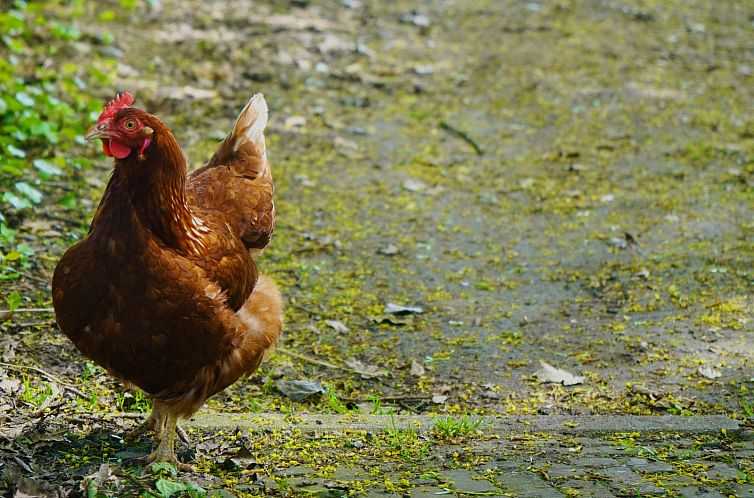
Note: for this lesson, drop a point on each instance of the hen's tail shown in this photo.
(247, 137)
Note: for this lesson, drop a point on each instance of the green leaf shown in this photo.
(195, 490)
(30, 192)
(12, 256)
(16, 201)
(25, 250)
(13, 168)
(15, 151)
(169, 488)
(13, 300)
(44, 129)
(156, 468)
(68, 200)
(46, 168)
(24, 99)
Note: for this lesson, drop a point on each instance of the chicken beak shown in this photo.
(97, 131)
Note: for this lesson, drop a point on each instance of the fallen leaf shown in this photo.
(198, 93)
(413, 185)
(396, 309)
(550, 374)
(336, 325)
(394, 319)
(709, 372)
(299, 390)
(388, 250)
(10, 385)
(292, 122)
(366, 371)
(417, 369)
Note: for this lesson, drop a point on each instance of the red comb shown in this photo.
(121, 101)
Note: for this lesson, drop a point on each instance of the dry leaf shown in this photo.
(366, 371)
(709, 372)
(299, 390)
(396, 309)
(550, 374)
(417, 369)
(337, 325)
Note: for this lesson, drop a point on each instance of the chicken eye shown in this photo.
(130, 124)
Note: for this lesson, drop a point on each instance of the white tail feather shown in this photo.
(250, 125)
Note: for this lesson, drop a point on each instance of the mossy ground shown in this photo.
(605, 228)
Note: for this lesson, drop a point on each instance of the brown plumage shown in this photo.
(163, 291)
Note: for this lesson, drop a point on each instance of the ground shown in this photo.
(567, 182)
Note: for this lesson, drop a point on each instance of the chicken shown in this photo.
(163, 291)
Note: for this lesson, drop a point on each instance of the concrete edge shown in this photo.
(308, 423)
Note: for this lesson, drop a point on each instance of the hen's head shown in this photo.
(123, 129)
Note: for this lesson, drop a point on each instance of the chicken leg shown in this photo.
(165, 451)
(155, 422)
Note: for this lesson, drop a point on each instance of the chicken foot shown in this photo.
(165, 451)
(155, 422)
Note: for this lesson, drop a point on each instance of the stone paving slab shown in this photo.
(520, 457)
(707, 424)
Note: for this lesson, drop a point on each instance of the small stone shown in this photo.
(427, 492)
(595, 462)
(465, 481)
(700, 492)
(297, 470)
(643, 465)
(349, 474)
(721, 471)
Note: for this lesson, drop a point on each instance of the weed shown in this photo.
(450, 427)
(34, 395)
(405, 442)
(333, 402)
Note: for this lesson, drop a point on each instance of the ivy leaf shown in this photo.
(13, 300)
(16, 201)
(24, 99)
(15, 151)
(169, 488)
(47, 168)
(156, 468)
(68, 200)
(30, 192)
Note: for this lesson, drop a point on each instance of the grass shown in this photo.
(450, 427)
(405, 442)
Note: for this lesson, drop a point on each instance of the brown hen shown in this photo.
(163, 291)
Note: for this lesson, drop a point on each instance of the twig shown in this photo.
(462, 135)
(70, 221)
(47, 375)
(304, 308)
(386, 398)
(313, 360)
(23, 274)
(22, 464)
(24, 325)
(29, 310)
(125, 415)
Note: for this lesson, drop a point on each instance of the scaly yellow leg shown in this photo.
(165, 452)
(155, 422)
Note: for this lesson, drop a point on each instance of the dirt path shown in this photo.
(568, 182)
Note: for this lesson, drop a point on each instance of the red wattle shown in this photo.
(106, 149)
(119, 150)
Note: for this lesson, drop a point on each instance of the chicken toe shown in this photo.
(155, 422)
(165, 451)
